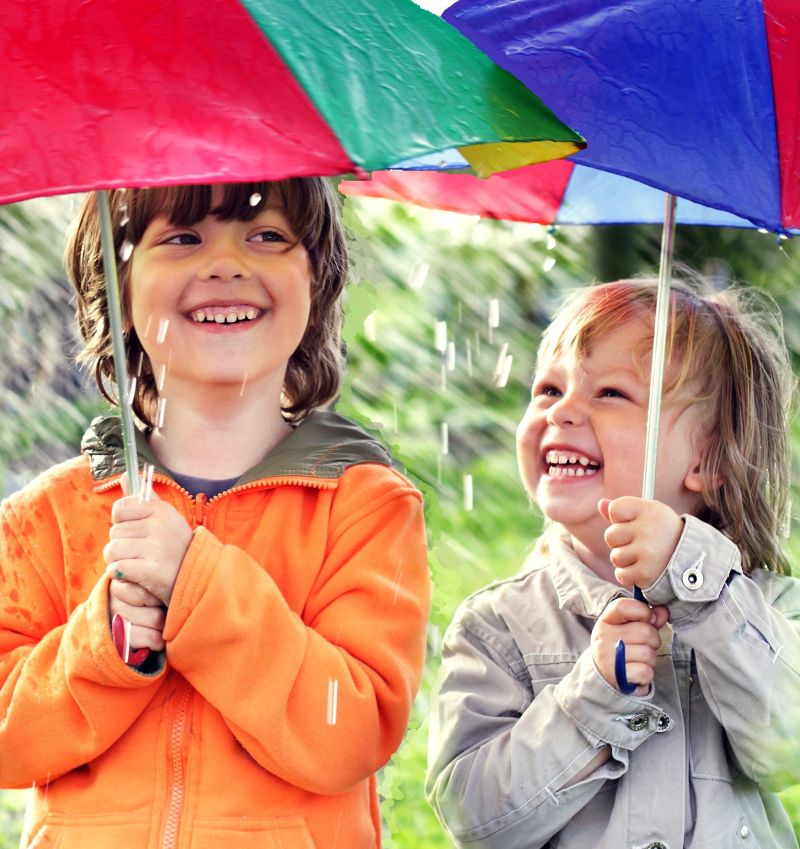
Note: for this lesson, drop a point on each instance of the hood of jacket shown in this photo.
(322, 445)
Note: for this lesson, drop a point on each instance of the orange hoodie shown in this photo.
(295, 645)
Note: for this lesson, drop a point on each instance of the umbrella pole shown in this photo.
(118, 341)
(654, 403)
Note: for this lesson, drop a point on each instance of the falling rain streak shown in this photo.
(333, 700)
(161, 408)
(494, 316)
(468, 493)
(370, 327)
(419, 275)
(147, 482)
(244, 384)
(125, 251)
(444, 431)
(163, 327)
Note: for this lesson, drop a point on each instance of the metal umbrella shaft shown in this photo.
(118, 341)
(654, 404)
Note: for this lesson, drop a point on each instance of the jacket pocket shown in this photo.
(247, 833)
(707, 749)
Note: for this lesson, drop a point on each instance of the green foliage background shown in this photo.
(398, 384)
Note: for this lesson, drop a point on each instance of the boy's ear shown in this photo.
(695, 481)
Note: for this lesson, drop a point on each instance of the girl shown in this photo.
(277, 577)
(532, 743)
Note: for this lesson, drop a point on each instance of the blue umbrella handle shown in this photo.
(623, 685)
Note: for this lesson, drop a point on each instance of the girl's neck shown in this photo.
(218, 435)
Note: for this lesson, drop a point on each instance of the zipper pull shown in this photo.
(200, 502)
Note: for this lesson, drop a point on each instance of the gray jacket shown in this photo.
(522, 710)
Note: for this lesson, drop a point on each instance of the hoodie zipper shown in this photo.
(177, 784)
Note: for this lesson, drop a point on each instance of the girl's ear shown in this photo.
(696, 480)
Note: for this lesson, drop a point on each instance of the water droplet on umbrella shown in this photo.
(549, 264)
(419, 275)
(333, 700)
(440, 339)
(255, 199)
(445, 438)
(163, 327)
(125, 251)
(468, 494)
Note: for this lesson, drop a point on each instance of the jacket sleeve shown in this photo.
(322, 698)
(745, 634)
(509, 768)
(65, 695)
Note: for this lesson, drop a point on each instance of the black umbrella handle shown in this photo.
(623, 685)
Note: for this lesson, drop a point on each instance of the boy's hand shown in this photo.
(142, 609)
(642, 536)
(637, 624)
(147, 543)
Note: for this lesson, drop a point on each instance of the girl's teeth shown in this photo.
(250, 313)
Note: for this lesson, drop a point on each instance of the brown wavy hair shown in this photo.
(728, 353)
(311, 206)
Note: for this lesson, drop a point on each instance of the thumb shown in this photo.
(602, 508)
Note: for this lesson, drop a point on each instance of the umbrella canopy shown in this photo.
(109, 94)
(558, 192)
(698, 99)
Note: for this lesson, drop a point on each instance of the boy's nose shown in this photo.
(566, 412)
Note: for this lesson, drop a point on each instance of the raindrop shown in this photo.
(550, 242)
(333, 700)
(441, 337)
(131, 391)
(469, 358)
(468, 494)
(125, 251)
(139, 364)
(443, 378)
(161, 409)
(451, 356)
(147, 482)
(445, 438)
(244, 383)
(549, 264)
(501, 359)
(147, 326)
(255, 199)
(162, 376)
(370, 332)
(163, 327)
(419, 275)
(494, 312)
(505, 373)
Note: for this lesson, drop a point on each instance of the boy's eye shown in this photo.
(270, 236)
(610, 392)
(547, 390)
(183, 239)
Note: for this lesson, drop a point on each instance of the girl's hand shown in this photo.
(642, 536)
(147, 544)
(637, 624)
(142, 609)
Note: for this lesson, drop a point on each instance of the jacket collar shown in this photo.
(322, 445)
(579, 589)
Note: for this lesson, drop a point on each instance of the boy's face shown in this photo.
(236, 296)
(582, 437)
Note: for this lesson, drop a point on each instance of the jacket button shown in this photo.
(692, 579)
(744, 832)
(638, 722)
(664, 724)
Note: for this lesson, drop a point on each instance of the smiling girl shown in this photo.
(274, 585)
(532, 743)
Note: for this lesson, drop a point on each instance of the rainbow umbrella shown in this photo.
(700, 99)
(108, 94)
(557, 192)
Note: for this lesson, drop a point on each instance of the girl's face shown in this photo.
(220, 303)
(582, 438)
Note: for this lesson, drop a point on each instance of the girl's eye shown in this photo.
(610, 392)
(270, 237)
(183, 239)
(547, 390)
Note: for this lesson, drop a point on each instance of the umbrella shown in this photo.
(102, 94)
(698, 99)
(557, 192)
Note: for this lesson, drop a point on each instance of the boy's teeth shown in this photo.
(224, 316)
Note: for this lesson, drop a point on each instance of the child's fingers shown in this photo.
(602, 508)
(623, 556)
(146, 638)
(625, 509)
(660, 616)
(623, 610)
(152, 618)
(130, 508)
(133, 594)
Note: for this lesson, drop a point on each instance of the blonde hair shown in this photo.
(311, 207)
(728, 354)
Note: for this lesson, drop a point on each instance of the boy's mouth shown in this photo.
(225, 315)
(569, 464)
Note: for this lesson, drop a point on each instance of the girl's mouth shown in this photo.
(569, 464)
(225, 315)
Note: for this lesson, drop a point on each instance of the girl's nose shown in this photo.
(566, 412)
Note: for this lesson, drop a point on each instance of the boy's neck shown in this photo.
(217, 437)
(600, 564)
